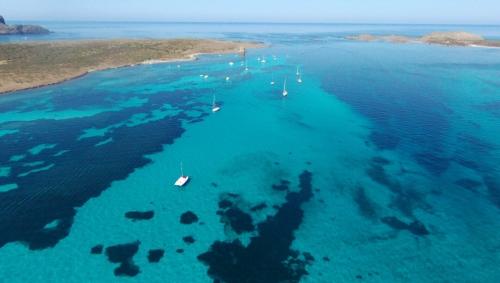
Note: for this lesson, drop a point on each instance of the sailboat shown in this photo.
(182, 179)
(246, 66)
(285, 92)
(299, 76)
(272, 80)
(297, 73)
(215, 107)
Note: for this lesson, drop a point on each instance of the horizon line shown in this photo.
(257, 22)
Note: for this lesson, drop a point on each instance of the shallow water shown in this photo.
(382, 166)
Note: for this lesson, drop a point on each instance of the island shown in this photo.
(6, 29)
(451, 38)
(33, 64)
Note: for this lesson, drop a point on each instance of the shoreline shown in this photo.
(227, 47)
(449, 39)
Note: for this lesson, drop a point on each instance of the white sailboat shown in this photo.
(297, 73)
(285, 92)
(182, 179)
(272, 79)
(299, 76)
(215, 107)
(246, 66)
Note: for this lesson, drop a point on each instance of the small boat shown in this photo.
(215, 107)
(205, 76)
(285, 92)
(227, 79)
(182, 179)
(299, 79)
(297, 73)
(272, 80)
(231, 63)
(246, 66)
(263, 60)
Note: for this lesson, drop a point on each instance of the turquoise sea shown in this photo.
(383, 165)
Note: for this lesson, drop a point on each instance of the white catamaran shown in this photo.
(215, 107)
(182, 179)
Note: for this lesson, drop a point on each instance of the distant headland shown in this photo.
(33, 64)
(454, 38)
(6, 29)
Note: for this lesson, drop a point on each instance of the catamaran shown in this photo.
(215, 107)
(285, 92)
(182, 179)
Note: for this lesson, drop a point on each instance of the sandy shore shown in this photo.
(37, 64)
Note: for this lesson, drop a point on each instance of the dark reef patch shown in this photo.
(96, 250)
(384, 140)
(45, 196)
(268, 257)
(155, 255)
(381, 160)
(258, 207)
(233, 216)
(366, 206)
(282, 186)
(468, 184)
(225, 204)
(123, 254)
(239, 221)
(433, 163)
(188, 217)
(179, 251)
(416, 227)
(189, 240)
(377, 173)
(493, 190)
(140, 215)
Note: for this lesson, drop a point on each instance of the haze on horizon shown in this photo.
(311, 11)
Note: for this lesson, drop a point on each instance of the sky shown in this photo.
(323, 11)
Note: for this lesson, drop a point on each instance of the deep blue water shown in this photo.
(382, 166)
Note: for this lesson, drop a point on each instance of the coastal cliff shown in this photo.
(6, 29)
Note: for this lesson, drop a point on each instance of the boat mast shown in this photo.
(182, 171)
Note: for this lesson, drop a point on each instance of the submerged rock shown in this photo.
(140, 215)
(416, 227)
(156, 255)
(189, 217)
(95, 250)
(123, 255)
